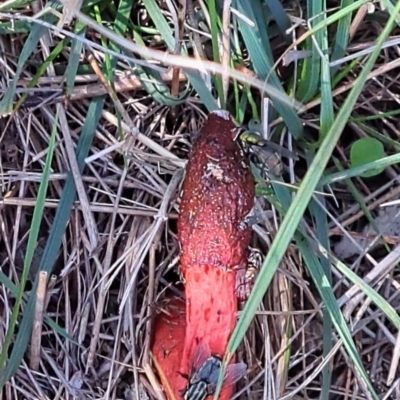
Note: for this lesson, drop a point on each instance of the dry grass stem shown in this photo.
(36, 337)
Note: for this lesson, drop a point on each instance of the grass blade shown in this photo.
(260, 53)
(30, 45)
(30, 250)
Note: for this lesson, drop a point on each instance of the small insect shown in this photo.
(204, 372)
(245, 281)
(266, 155)
(216, 172)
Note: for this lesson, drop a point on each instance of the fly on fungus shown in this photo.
(204, 374)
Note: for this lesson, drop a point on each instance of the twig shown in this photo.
(36, 337)
(101, 208)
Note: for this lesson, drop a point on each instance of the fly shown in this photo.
(266, 155)
(245, 282)
(204, 373)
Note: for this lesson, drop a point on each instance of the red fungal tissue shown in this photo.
(217, 194)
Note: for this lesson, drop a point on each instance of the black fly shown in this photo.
(264, 154)
(204, 373)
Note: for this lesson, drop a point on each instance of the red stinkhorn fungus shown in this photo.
(167, 347)
(217, 195)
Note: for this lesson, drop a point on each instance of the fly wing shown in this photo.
(201, 353)
(233, 373)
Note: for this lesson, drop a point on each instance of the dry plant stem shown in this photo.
(394, 365)
(146, 141)
(64, 126)
(80, 188)
(103, 284)
(161, 218)
(358, 19)
(50, 287)
(150, 300)
(15, 176)
(130, 325)
(179, 20)
(380, 271)
(170, 59)
(315, 372)
(393, 193)
(116, 348)
(150, 319)
(269, 385)
(22, 189)
(69, 10)
(225, 58)
(149, 370)
(284, 297)
(124, 210)
(36, 337)
(113, 95)
(125, 83)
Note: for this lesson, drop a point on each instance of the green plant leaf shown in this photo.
(259, 48)
(364, 151)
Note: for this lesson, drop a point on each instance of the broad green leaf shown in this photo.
(364, 151)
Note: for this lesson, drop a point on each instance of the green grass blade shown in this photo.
(281, 18)
(12, 28)
(74, 58)
(357, 171)
(325, 290)
(30, 45)
(341, 36)
(310, 77)
(320, 218)
(43, 67)
(327, 115)
(379, 301)
(55, 238)
(215, 48)
(12, 288)
(30, 250)
(322, 233)
(336, 17)
(194, 77)
(258, 46)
